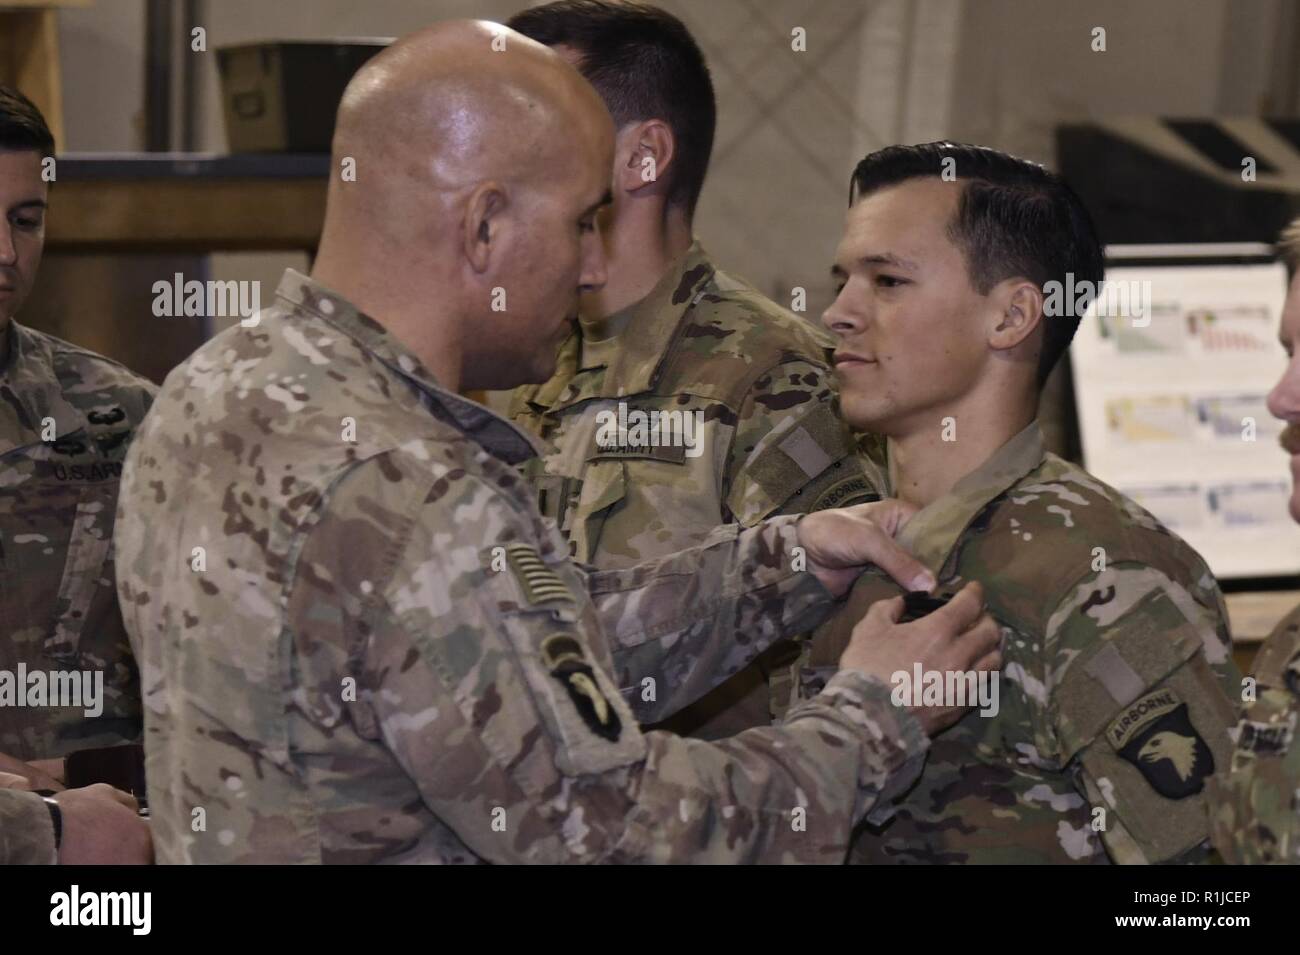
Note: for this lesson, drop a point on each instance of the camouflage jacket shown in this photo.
(1112, 699)
(360, 641)
(1255, 813)
(770, 440)
(26, 833)
(66, 419)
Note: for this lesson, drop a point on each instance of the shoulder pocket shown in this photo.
(549, 628)
(1146, 719)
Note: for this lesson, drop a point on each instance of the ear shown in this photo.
(1018, 307)
(645, 151)
(484, 223)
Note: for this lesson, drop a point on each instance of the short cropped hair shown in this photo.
(1014, 218)
(22, 127)
(645, 64)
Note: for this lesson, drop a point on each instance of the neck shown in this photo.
(641, 248)
(4, 342)
(425, 327)
(923, 467)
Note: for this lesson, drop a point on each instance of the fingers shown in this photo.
(964, 609)
(891, 513)
(990, 662)
(103, 790)
(883, 612)
(14, 781)
(883, 551)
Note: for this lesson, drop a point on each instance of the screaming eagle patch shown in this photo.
(1155, 734)
(564, 657)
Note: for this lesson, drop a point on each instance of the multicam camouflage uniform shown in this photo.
(361, 642)
(1255, 809)
(1112, 707)
(66, 419)
(26, 832)
(772, 442)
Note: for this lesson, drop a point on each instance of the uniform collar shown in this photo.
(486, 428)
(934, 531)
(650, 325)
(646, 330)
(30, 392)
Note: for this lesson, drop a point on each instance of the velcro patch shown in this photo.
(672, 454)
(1267, 739)
(1155, 734)
(539, 583)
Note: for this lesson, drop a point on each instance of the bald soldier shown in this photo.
(1111, 713)
(361, 641)
(671, 334)
(1255, 802)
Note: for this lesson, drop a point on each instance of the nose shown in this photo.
(594, 274)
(844, 316)
(1284, 399)
(8, 249)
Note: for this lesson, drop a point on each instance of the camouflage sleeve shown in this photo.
(488, 689)
(680, 625)
(26, 833)
(1137, 710)
(791, 452)
(1255, 802)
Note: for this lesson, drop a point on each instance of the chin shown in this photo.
(863, 413)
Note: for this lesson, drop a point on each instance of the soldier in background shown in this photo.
(67, 417)
(1255, 808)
(671, 332)
(1111, 712)
(361, 640)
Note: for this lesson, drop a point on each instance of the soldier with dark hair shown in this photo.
(1112, 708)
(67, 417)
(671, 333)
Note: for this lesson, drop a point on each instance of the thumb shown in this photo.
(907, 571)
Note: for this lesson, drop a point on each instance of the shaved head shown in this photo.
(480, 160)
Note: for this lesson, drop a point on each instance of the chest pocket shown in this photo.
(602, 490)
(549, 625)
(56, 550)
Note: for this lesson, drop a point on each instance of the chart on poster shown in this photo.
(1172, 369)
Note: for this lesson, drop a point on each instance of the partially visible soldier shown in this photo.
(360, 639)
(1255, 812)
(1112, 709)
(671, 332)
(94, 825)
(67, 417)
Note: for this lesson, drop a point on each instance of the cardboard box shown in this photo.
(281, 95)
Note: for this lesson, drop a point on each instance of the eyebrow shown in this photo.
(604, 200)
(38, 203)
(885, 258)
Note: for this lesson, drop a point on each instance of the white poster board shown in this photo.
(1172, 407)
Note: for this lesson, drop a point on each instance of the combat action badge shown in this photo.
(563, 656)
(1155, 734)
